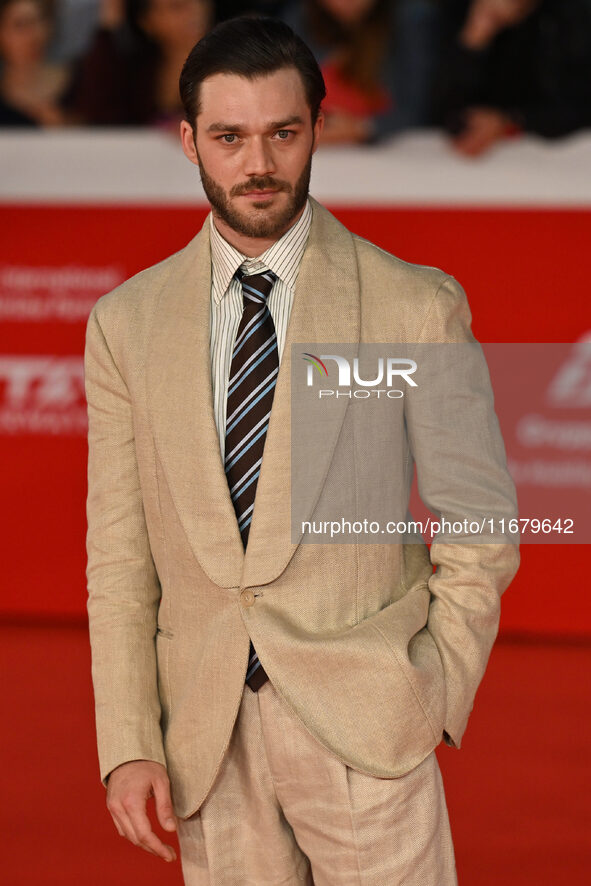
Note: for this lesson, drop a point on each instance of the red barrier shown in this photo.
(521, 270)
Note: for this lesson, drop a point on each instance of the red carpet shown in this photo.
(518, 791)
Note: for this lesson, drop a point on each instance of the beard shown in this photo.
(265, 221)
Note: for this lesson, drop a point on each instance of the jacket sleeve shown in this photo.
(461, 467)
(123, 586)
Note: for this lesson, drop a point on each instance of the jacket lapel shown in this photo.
(179, 386)
(325, 309)
(181, 406)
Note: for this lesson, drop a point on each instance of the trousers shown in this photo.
(286, 811)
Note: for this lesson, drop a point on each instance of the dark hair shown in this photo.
(250, 46)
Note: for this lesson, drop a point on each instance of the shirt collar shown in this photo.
(283, 257)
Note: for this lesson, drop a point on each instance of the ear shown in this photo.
(318, 127)
(188, 142)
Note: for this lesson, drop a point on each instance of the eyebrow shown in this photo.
(236, 127)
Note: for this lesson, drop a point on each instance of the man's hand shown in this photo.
(128, 789)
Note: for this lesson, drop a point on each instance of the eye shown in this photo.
(283, 134)
(229, 138)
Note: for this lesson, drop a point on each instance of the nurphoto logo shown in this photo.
(389, 370)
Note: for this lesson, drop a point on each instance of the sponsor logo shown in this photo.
(67, 293)
(556, 440)
(571, 386)
(42, 395)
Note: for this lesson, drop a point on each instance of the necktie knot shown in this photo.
(255, 287)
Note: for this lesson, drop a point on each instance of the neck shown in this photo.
(251, 246)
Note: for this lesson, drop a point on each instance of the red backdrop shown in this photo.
(522, 270)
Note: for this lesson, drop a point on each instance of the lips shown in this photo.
(266, 193)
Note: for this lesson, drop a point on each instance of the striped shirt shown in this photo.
(283, 258)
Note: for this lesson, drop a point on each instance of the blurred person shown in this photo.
(31, 88)
(511, 66)
(129, 76)
(377, 59)
(281, 701)
(75, 24)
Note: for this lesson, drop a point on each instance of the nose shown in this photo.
(258, 158)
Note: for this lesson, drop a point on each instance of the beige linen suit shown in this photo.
(374, 653)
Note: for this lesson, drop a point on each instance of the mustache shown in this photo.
(260, 183)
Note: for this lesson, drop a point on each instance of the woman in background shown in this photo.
(31, 89)
(377, 58)
(130, 74)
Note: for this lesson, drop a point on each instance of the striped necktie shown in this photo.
(251, 386)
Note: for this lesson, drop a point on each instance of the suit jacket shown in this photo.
(378, 655)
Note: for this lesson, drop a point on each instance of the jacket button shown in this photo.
(247, 598)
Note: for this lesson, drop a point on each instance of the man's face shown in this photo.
(254, 145)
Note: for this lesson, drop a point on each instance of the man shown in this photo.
(358, 659)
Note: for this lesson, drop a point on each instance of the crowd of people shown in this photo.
(482, 70)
